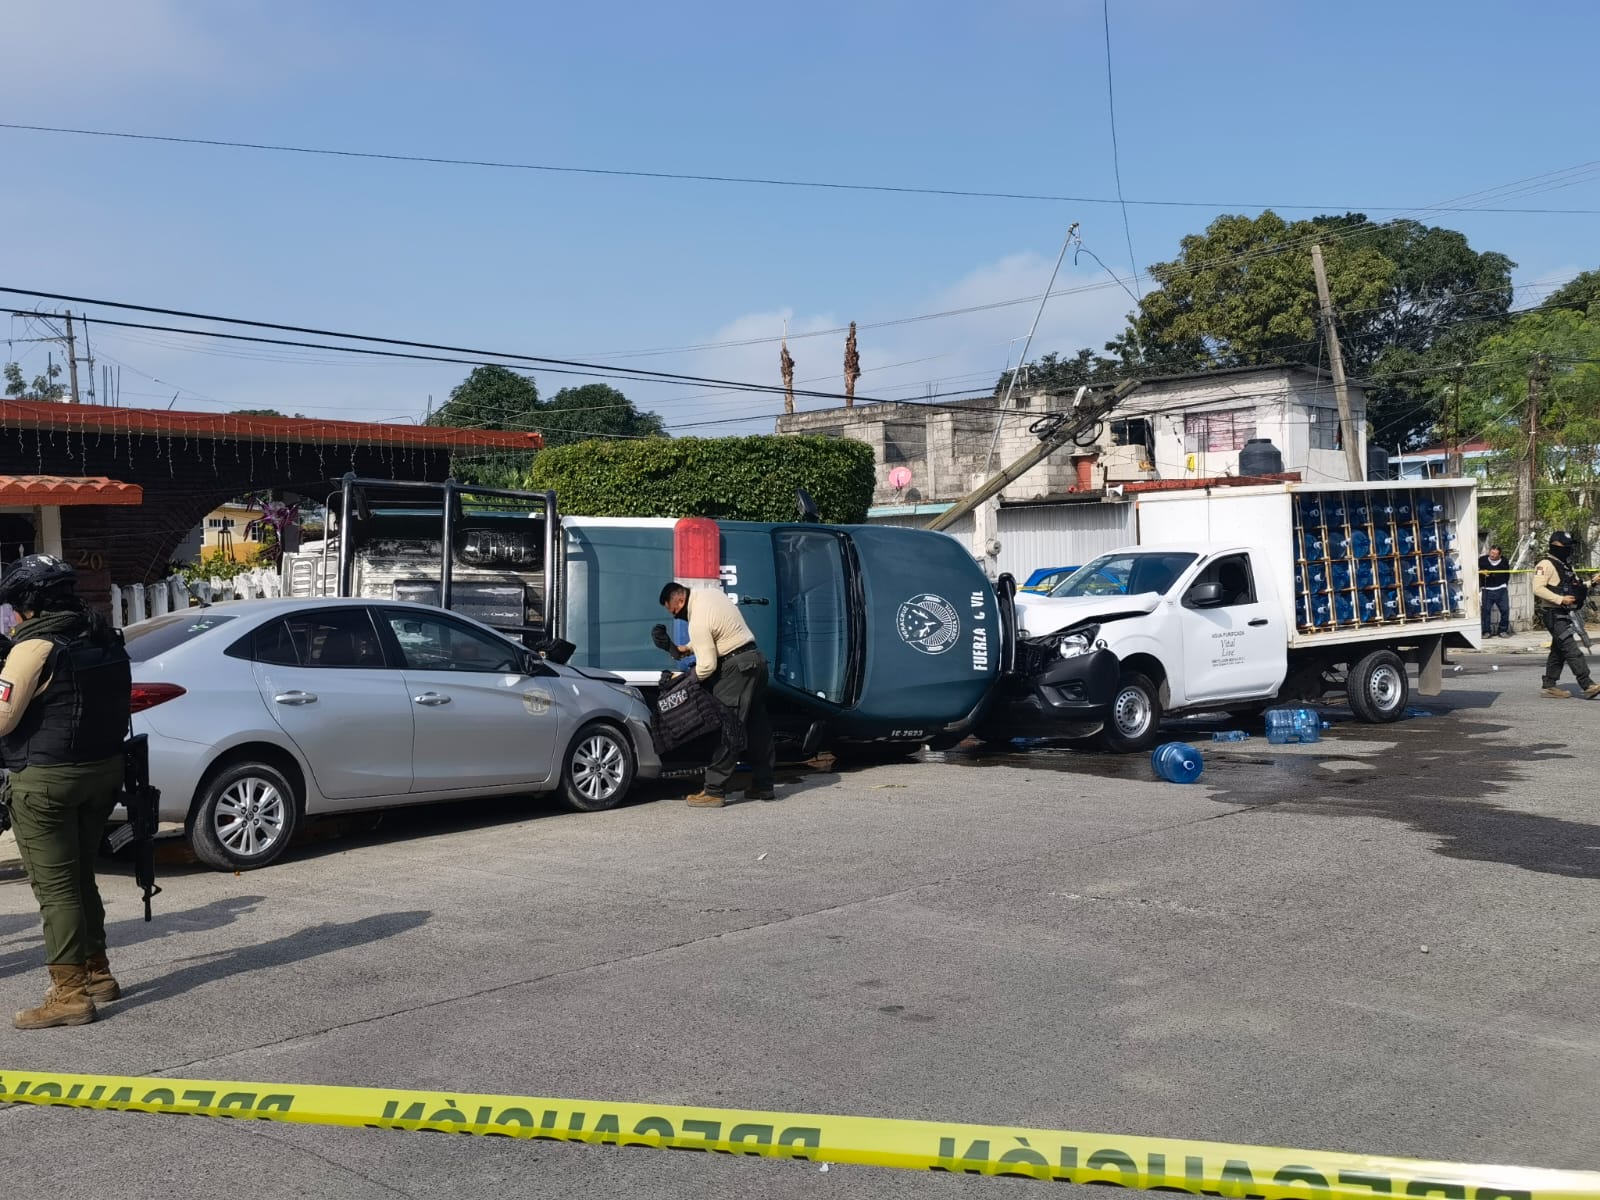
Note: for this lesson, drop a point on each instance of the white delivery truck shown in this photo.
(1236, 598)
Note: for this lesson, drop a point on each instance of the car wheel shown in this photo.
(1378, 688)
(1135, 719)
(246, 817)
(598, 770)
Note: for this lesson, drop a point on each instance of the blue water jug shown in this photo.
(1341, 575)
(1430, 538)
(1230, 735)
(1391, 604)
(1361, 543)
(1432, 570)
(1317, 577)
(1338, 544)
(1344, 606)
(1437, 600)
(1410, 571)
(1415, 603)
(1386, 573)
(1177, 762)
(1407, 540)
(1369, 606)
(1385, 540)
(1364, 574)
(1313, 545)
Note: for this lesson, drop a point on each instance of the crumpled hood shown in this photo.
(1040, 615)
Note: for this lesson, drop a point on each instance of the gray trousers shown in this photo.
(740, 684)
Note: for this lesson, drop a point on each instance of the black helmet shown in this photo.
(1561, 544)
(34, 576)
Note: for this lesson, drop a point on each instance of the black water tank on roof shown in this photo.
(1377, 462)
(1260, 457)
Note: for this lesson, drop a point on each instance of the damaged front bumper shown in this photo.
(1060, 696)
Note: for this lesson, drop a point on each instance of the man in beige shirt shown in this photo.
(731, 665)
(1558, 596)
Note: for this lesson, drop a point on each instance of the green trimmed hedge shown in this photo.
(734, 479)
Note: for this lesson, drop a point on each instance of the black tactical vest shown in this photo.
(1568, 584)
(81, 714)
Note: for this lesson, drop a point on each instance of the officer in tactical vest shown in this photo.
(1558, 597)
(65, 692)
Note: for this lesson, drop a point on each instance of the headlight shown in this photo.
(1079, 641)
(627, 689)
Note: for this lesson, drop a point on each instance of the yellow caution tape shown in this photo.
(1211, 1168)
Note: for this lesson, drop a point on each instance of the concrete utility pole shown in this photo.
(1352, 443)
(1527, 478)
(72, 361)
(786, 366)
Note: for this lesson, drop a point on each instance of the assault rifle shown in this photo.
(143, 803)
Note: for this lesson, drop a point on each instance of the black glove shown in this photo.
(663, 641)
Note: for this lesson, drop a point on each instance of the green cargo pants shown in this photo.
(59, 815)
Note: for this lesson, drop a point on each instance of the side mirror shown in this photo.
(1204, 595)
(809, 514)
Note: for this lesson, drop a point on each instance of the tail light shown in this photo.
(148, 695)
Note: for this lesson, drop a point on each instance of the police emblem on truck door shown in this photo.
(928, 623)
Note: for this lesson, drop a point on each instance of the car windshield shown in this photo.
(1126, 574)
(814, 626)
(153, 638)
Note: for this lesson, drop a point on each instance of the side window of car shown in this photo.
(429, 643)
(338, 638)
(1232, 575)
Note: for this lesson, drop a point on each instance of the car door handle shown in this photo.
(295, 698)
(431, 699)
(1259, 621)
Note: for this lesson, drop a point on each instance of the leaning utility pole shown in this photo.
(1527, 477)
(72, 360)
(1352, 444)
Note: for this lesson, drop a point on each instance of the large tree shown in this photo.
(1411, 301)
(1559, 351)
(596, 410)
(495, 397)
(1580, 293)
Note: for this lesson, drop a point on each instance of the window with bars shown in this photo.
(1325, 431)
(1210, 432)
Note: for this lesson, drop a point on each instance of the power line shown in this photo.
(1116, 159)
(828, 185)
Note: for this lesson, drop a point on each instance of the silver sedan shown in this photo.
(263, 712)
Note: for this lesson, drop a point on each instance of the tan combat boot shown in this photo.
(1556, 693)
(706, 800)
(65, 1004)
(102, 986)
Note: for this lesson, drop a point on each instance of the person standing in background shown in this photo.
(1494, 585)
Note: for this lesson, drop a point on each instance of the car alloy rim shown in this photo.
(250, 817)
(1131, 712)
(1384, 687)
(597, 766)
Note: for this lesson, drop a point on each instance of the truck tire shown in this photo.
(1378, 687)
(1135, 719)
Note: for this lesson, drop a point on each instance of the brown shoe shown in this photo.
(66, 1003)
(760, 794)
(102, 986)
(1590, 692)
(706, 800)
(1556, 693)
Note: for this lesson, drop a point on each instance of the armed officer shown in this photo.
(1559, 596)
(65, 693)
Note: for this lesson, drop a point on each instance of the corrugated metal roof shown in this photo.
(61, 490)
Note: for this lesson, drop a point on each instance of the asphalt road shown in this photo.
(1384, 942)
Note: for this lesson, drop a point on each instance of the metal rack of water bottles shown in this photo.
(1378, 558)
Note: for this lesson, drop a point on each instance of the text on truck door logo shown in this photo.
(928, 623)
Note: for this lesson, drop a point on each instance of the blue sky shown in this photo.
(1242, 103)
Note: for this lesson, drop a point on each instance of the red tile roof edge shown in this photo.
(93, 418)
(61, 490)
